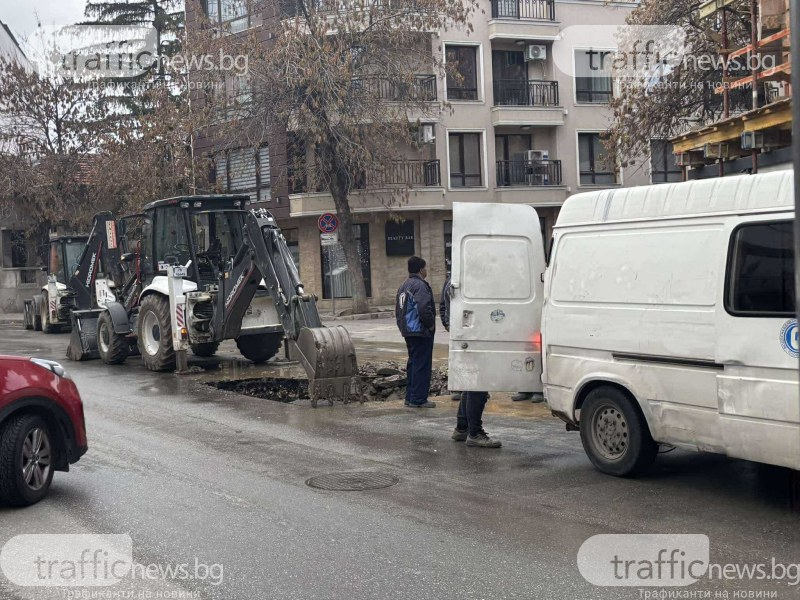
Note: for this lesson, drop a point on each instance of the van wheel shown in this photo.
(112, 347)
(614, 433)
(205, 349)
(27, 457)
(155, 334)
(260, 347)
(44, 309)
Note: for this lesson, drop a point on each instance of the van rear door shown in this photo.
(496, 298)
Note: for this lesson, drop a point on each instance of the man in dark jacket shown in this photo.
(415, 310)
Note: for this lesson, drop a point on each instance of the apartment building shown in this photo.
(757, 139)
(525, 129)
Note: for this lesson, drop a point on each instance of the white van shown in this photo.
(668, 318)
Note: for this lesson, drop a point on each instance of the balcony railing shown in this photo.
(534, 10)
(528, 173)
(413, 173)
(517, 92)
(293, 8)
(422, 88)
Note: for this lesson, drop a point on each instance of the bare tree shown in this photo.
(50, 127)
(350, 80)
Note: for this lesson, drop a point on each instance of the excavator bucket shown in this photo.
(83, 339)
(329, 358)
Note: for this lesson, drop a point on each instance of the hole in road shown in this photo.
(269, 388)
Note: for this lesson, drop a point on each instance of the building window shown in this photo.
(596, 165)
(465, 160)
(663, 167)
(293, 242)
(448, 247)
(593, 82)
(244, 170)
(761, 271)
(335, 275)
(232, 14)
(15, 249)
(462, 75)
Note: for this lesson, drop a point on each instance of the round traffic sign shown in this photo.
(328, 223)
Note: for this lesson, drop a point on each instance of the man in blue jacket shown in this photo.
(415, 310)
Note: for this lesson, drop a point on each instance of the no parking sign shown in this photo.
(328, 223)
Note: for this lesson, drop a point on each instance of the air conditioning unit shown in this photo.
(427, 134)
(693, 158)
(535, 52)
(775, 90)
(537, 155)
(765, 140)
(716, 151)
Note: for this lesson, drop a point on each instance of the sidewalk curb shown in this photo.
(364, 317)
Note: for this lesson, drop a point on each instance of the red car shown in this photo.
(42, 428)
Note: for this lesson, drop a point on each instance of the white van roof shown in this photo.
(742, 193)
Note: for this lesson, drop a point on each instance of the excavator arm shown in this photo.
(326, 353)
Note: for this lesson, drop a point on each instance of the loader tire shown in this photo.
(27, 321)
(155, 334)
(260, 347)
(37, 319)
(205, 349)
(47, 326)
(112, 347)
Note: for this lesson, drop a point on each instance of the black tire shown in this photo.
(155, 334)
(15, 490)
(205, 350)
(260, 347)
(614, 433)
(44, 310)
(112, 347)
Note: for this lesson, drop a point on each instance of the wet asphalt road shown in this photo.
(193, 473)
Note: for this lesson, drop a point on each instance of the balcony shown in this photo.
(421, 178)
(422, 88)
(537, 183)
(515, 92)
(523, 20)
(406, 173)
(527, 10)
(518, 102)
(512, 173)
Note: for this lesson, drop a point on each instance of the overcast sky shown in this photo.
(22, 16)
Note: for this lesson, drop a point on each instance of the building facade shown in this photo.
(524, 128)
(757, 139)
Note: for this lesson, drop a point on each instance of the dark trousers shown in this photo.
(470, 411)
(418, 368)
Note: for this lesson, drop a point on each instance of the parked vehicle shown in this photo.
(42, 427)
(668, 317)
(211, 270)
(49, 311)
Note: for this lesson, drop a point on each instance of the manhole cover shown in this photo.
(352, 482)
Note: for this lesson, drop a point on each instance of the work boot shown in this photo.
(456, 397)
(520, 396)
(537, 398)
(483, 441)
(426, 404)
(460, 435)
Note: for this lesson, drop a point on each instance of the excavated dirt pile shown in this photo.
(380, 381)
